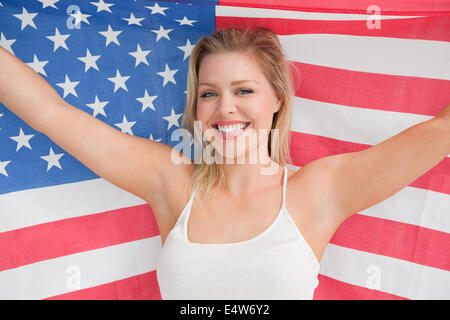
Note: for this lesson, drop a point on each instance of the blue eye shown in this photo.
(204, 95)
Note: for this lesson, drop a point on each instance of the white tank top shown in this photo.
(277, 264)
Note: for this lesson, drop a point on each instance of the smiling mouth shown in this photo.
(246, 124)
(232, 133)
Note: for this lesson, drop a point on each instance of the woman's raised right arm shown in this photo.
(135, 164)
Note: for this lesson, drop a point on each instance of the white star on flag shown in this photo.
(102, 6)
(147, 101)
(157, 9)
(68, 86)
(80, 17)
(26, 18)
(186, 21)
(125, 125)
(172, 119)
(140, 55)
(133, 20)
(48, 3)
(162, 33)
(119, 81)
(168, 74)
(187, 49)
(22, 140)
(3, 165)
(37, 65)
(89, 61)
(52, 159)
(59, 40)
(98, 106)
(110, 35)
(6, 43)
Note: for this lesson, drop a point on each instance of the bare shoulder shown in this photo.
(316, 176)
(309, 187)
(319, 177)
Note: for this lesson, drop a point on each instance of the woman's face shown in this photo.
(233, 90)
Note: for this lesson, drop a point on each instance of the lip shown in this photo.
(234, 134)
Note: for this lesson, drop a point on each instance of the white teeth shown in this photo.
(231, 128)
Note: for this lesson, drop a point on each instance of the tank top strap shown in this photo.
(186, 210)
(191, 200)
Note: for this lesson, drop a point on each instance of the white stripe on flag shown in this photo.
(385, 274)
(424, 208)
(40, 205)
(351, 124)
(391, 56)
(247, 12)
(57, 276)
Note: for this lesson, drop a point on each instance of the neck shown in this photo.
(246, 179)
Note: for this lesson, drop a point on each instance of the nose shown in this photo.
(226, 104)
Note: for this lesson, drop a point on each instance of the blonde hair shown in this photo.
(265, 46)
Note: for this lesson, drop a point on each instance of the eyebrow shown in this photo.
(232, 83)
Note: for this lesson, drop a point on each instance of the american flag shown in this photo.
(367, 72)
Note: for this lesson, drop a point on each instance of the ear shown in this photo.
(277, 105)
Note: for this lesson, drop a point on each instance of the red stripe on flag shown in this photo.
(59, 238)
(394, 239)
(424, 28)
(305, 148)
(332, 289)
(414, 95)
(387, 7)
(141, 287)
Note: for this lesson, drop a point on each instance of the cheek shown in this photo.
(260, 115)
(201, 114)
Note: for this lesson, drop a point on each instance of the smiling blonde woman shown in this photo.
(228, 231)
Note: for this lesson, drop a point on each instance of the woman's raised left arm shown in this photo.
(364, 178)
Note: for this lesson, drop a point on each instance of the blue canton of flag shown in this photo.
(123, 62)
